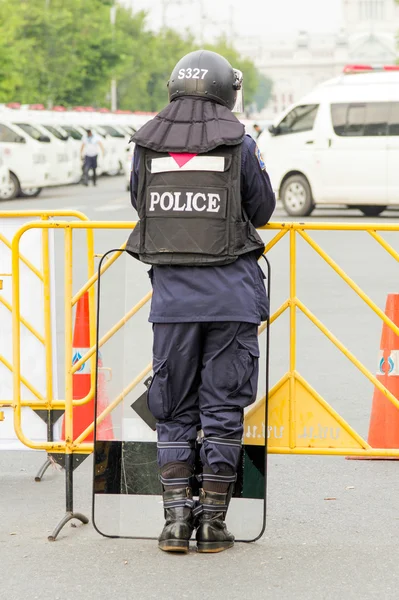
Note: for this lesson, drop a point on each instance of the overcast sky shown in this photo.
(250, 17)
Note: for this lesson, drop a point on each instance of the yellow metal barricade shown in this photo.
(44, 401)
(296, 410)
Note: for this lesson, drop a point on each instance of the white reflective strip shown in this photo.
(197, 163)
(394, 365)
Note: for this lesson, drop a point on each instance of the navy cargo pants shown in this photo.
(205, 374)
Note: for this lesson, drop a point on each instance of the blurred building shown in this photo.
(297, 63)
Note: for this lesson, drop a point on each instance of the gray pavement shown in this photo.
(313, 547)
(332, 524)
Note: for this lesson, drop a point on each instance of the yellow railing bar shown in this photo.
(43, 213)
(16, 367)
(24, 322)
(68, 339)
(376, 452)
(92, 326)
(347, 353)
(350, 282)
(300, 227)
(112, 332)
(292, 367)
(106, 265)
(275, 316)
(26, 383)
(274, 240)
(92, 313)
(387, 247)
(332, 226)
(114, 403)
(22, 257)
(47, 314)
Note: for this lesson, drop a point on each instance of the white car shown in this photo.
(339, 144)
(26, 160)
(5, 181)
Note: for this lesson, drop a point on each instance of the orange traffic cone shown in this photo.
(384, 420)
(83, 415)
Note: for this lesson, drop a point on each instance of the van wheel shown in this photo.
(371, 210)
(11, 190)
(30, 192)
(296, 196)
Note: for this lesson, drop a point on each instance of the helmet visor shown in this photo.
(238, 85)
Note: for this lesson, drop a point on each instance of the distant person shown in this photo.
(91, 146)
(258, 130)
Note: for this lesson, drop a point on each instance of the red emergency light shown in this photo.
(36, 107)
(351, 69)
(13, 105)
(59, 108)
(104, 110)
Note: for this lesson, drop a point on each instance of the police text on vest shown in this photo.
(186, 201)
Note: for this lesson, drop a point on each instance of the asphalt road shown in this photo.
(332, 524)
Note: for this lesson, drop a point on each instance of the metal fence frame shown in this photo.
(46, 402)
(293, 303)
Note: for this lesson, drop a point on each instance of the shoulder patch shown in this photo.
(260, 158)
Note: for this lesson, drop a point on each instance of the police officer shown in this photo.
(200, 188)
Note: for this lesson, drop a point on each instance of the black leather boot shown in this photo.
(178, 505)
(212, 534)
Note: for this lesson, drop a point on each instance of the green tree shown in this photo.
(14, 51)
(66, 52)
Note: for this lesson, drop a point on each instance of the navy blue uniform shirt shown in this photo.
(233, 292)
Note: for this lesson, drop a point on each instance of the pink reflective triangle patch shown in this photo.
(181, 157)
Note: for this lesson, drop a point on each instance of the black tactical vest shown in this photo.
(190, 209)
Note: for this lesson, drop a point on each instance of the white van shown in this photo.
(26, 161)
(339, 144)
(4, 177)
(72, 149)
(56, 149)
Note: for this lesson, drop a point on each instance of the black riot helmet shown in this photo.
(205, 74)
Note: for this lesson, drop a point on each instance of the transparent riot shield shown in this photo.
(127, 499)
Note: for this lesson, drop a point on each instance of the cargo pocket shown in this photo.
(244, 370)
(159, 393)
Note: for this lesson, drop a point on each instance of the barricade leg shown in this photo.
(69, 513)
(48, 417)
(43, 469)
